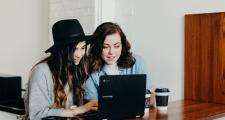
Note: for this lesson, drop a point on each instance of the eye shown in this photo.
(105, 47)
(117, 46)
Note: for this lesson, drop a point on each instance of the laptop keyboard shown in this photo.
(93, 115)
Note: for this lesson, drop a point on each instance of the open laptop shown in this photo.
(121, 96)
(10, 94)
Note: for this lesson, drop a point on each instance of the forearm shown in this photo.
(39, 113)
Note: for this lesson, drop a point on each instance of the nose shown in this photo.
(111, 50)
(78, 54)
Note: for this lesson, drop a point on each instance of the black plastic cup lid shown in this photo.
(162, 90)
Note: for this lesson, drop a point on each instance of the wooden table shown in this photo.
(187, 110)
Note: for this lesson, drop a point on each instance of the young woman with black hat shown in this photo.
(56, 83)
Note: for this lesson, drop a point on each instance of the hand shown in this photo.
(152, 101)
(92, 105)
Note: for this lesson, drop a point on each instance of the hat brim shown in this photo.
(87, 38)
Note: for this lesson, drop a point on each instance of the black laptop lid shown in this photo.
(10, 88)
(122, 96)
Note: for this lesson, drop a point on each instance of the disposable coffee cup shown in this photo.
(162, 97)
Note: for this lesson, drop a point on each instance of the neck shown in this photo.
(111, 69)
(111, 65)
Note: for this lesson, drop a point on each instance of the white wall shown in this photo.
(23, 35)
(23, 38)
(83, 10)
(156, 30)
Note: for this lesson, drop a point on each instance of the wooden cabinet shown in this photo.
(205, 57)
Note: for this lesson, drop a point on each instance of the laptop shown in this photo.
(10, 94)
(119, 97)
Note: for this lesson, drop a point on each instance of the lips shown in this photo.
(77, 59)
(110, 58)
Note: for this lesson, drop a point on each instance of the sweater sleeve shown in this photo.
(39, 100)
(141, 68)
(90, 87)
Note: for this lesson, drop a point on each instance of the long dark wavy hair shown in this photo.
(126, 60)
(64, 70)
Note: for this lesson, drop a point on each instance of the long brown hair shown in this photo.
(64, 70)
(126, 59)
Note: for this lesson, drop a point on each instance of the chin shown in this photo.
(110, 63)
(77, 63)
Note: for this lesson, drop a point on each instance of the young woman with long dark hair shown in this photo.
(56, 83)
(110, 55)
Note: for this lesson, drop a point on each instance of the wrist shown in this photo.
(68, 113)
(84, 108)
(79, 110)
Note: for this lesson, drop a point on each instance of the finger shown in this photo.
(94, 108)
(95, 103)
(94, 100)
(73, 107)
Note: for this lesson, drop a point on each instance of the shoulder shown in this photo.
(94, 76)
(40, 73)
(41, 68)
(138, 59)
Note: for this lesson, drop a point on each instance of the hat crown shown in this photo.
(63, 30)
(67, 32)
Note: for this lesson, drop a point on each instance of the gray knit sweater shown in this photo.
(41, 95)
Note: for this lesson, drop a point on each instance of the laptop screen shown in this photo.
(122, 95)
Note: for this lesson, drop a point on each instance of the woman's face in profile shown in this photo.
(112, 48)
(79, 52)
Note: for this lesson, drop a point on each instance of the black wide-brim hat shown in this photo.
(66, 32)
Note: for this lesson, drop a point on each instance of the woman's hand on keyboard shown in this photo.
(89, 106)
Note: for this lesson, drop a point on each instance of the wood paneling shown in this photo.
(204, 57)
